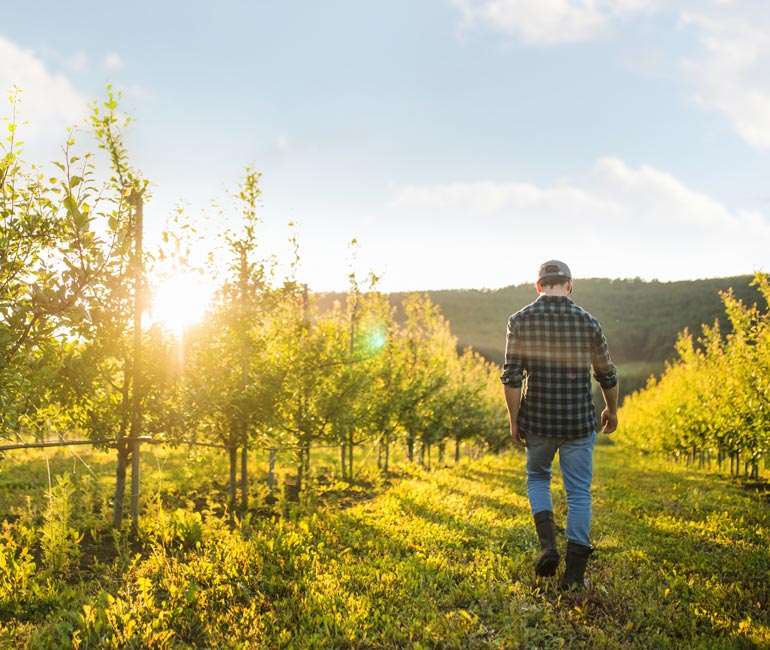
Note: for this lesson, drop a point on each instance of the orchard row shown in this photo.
(713, 402)
(264, 366)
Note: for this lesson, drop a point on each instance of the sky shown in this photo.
(460, 143)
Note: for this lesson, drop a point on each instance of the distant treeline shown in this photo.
(641, 319)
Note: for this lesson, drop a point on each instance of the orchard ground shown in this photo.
(429, 559)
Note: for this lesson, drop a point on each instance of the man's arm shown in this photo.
(610, 412)
(513, 378)
(513, 401)
(606, 374)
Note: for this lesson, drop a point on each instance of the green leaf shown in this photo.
(80, 220)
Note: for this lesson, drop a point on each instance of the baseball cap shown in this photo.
(553, 269)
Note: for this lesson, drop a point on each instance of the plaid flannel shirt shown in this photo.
(551, 349)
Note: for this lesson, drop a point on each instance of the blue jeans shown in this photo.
(576, 456)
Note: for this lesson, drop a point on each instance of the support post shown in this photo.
(135, 485)
(136, 374)
(271, 472)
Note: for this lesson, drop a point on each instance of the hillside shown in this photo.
(641, 319)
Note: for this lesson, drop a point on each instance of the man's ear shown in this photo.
(570, 286)
(539, 288)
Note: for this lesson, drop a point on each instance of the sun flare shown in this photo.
(181, 300)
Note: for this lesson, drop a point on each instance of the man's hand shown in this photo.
(609, 421)
(517, 435)
(610, 412)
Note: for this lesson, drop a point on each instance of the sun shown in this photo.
(180, 300)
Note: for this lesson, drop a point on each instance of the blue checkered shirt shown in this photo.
(552, 349)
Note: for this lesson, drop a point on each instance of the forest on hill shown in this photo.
(641, 319)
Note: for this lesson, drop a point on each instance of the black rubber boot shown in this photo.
(575, 569)
(548, 560)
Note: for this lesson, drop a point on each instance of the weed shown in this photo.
(59, 541)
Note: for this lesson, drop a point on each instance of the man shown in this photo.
(552, 349)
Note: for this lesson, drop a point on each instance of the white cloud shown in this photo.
(49, 102)
(729, 74)
(488, 200)
(282, 142)
(547, 21)
(619, 221)
(544, 22)
(77, 62)
(113, 61)
(550, 22)
(732, 76)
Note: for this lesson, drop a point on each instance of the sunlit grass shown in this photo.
(440, 558)
(183, 472)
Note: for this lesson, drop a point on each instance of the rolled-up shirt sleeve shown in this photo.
(604, 371)
(513, 368)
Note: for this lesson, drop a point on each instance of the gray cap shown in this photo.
(553, 269)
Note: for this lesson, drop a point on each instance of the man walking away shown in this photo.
(552, 349)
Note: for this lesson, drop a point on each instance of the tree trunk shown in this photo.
(457, 450)
(131, 398)
(350, 457)
(271, 474)
(135, 468)
(245, 476)
(122, 460)
(120, 484)
(300, 468)
(243, 326)
(410, 447)
(342, 460)
(233, 453)
(387, 451)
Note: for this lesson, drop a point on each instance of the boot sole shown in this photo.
(546, 566)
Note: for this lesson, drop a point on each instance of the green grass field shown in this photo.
(439, 559)
(180, 475)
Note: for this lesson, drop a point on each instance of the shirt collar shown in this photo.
(553, 300)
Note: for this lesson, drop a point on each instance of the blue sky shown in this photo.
(460, 142)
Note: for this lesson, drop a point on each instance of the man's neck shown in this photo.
(557, 290)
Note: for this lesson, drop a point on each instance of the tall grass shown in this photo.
(181, 476)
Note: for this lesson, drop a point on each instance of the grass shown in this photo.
(439, 559)
(178, 474)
